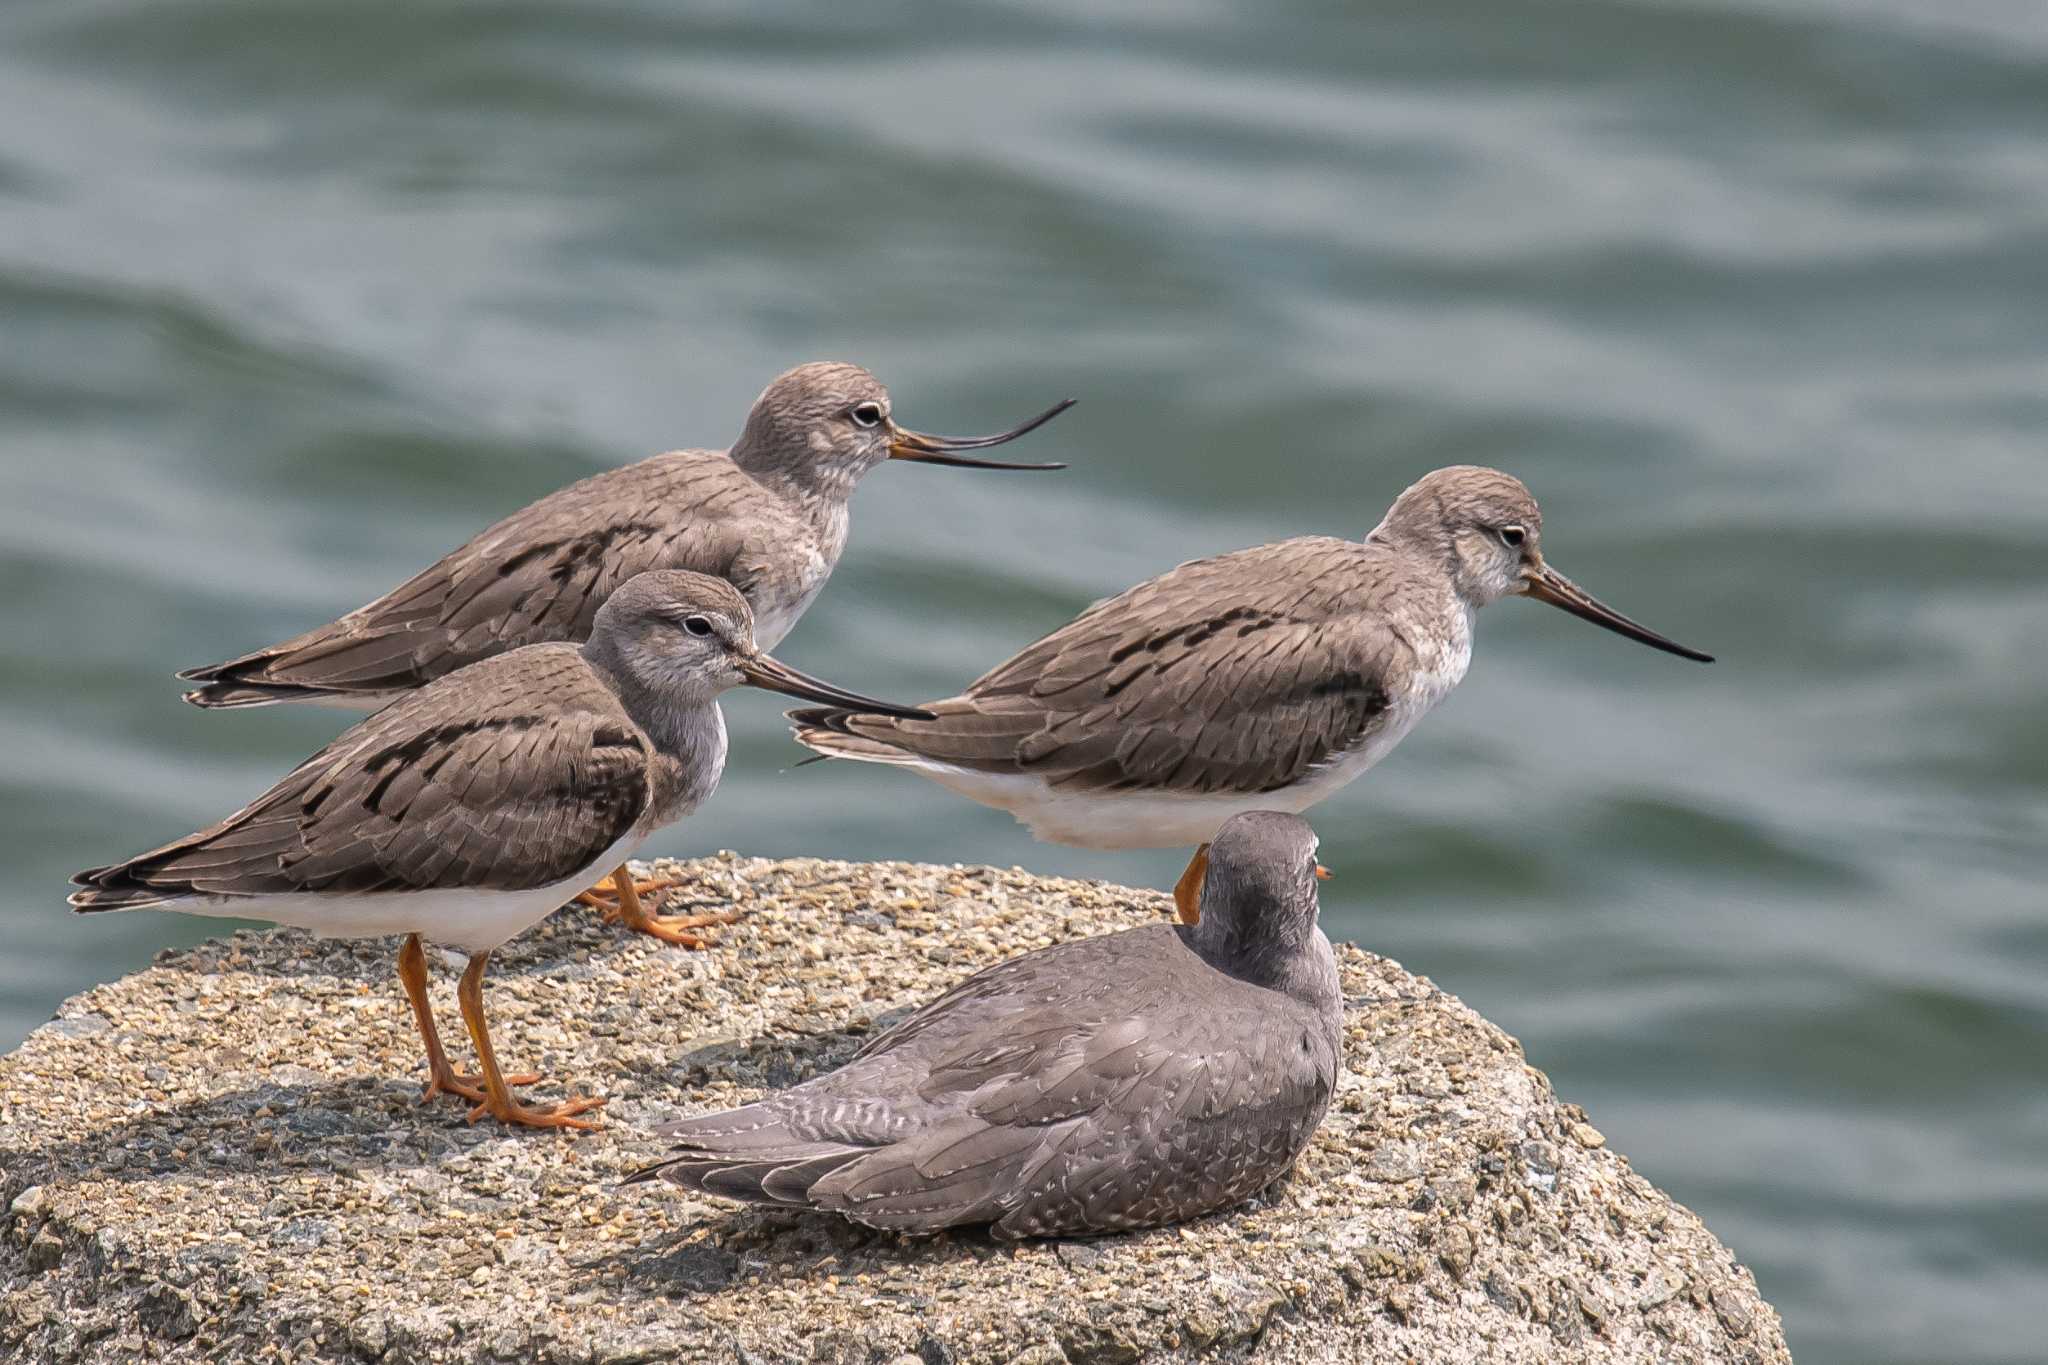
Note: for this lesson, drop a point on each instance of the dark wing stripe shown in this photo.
(1237, 674)
(517, 773)
(537, 576)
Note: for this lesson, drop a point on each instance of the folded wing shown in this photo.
(1018, 1101)
(466, 784)
(537, 576)
(1179, 684)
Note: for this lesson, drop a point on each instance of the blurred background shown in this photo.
(295, 295)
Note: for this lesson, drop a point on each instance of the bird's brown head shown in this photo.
(678, 639)
(819, 427)
(1484, 529)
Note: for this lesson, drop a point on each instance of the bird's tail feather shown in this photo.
(95, 899)
(829, 731)
(748, 1178)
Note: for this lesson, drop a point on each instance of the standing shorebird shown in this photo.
(470, 809)
(1112, 1083)
(1263, 679)
(769, 516)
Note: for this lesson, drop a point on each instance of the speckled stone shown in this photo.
(224, 1158)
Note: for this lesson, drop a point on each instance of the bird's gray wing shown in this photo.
(1036, 1098)
(539, 575)
(1111, 1124)
(879, 1098)
(1183, 684)
(517, 773)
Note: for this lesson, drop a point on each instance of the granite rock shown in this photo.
(224, 1158)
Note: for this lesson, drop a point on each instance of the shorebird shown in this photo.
(1263, 679)
(769, 516)
(1107, 1084)
(468, 810)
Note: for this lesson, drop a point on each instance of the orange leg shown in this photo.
(497, 1100)
(442, 1079)
(1187, 892)
(630, 912)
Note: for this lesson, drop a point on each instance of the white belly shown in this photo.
(1082, 819)
(473, 921)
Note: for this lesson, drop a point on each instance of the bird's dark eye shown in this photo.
(697, 625)
(1513, 536)
(866, 414)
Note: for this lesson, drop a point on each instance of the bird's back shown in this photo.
(537, 576)
(511, 775)
(1236, 676)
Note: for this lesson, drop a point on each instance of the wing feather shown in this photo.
(515, 774)
(1179, 684)
(1029, 1098)
(537, 576)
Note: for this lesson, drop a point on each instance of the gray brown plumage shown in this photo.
(518, 773)
(1104, 1085)
(768, 516)
(471, 808)
(1269, 677)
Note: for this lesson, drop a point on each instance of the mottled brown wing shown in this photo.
(518, 772)
(537, 576)
(1235, 674)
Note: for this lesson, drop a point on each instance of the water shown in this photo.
(293, 297)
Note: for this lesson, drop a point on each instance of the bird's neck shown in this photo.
(1427, 565)
(1285, 954)
(679, 715)
(818, 487)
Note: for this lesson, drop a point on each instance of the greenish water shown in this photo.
(296, 294)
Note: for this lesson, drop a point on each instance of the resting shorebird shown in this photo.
(1263, 679)
(769, 516)
(470, 809)
(1112, 1083)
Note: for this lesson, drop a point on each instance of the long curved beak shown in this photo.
(1548, 585)
(927, 449)
(765, 671)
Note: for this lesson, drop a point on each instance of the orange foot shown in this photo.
(634, 915)
(606, 900)
(563, 1115)
(453, 1082)
(497, 1098)
(676, 928)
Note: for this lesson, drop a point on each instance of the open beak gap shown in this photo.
(928, 449)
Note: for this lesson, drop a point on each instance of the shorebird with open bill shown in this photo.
(1264, 679)
(468, 810)
(769, 516)
(1102, 1085)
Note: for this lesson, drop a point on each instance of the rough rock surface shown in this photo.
(224, 1158)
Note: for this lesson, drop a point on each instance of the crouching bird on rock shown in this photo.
(769, 516)
(468, 810)
(1265, 679)
(1107, 1084)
